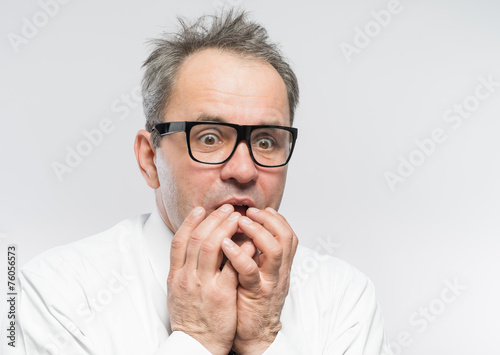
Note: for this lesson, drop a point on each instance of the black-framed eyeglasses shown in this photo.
(215, 142)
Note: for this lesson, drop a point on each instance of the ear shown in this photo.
(145, 155)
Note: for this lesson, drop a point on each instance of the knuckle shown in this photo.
(277, 253)
(207, 247)
(224, 227)
(217, 215)
(178, 282)
(214, 218)
(236, 252)
(170, 280)
(190, 222)
(196, 237)
(288, 235)
(250, 268)
(265, 213)
(259, 228)
(177, 243)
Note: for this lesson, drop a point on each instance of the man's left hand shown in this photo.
(264, 280)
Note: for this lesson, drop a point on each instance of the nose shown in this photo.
(240, 167)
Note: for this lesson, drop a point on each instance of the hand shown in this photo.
(201, 298)
(264, 282)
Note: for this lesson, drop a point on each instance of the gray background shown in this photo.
(357, 119)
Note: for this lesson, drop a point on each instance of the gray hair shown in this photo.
(230, 31)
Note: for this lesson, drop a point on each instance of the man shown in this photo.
(210, 271)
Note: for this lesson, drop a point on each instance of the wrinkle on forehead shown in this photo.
(205, 117)
(213, 82)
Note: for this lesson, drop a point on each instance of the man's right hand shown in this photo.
(201, 298)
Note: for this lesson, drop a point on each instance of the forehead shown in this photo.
(230, 88)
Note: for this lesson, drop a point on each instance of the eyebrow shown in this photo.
(205, 117)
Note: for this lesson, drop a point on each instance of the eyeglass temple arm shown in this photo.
(170, 127)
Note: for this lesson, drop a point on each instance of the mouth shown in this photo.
(241, 205)
(241, 209)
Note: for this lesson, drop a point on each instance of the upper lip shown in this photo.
(237, 201)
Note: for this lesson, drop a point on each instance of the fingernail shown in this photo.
(233, 216)
(228, 243)
(272, 210)
(253, 210)
(246, 220)
(226, 208)
(197, 211)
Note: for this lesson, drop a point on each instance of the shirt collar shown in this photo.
(158, 239)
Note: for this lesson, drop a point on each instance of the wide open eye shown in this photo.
(264, 144)
(211, 143)
(268, 139)
(209, 139)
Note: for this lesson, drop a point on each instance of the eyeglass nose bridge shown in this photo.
(243, 134)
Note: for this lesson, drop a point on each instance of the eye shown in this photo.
(264, 143)
(209, 139)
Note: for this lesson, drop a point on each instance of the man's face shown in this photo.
(213, 84)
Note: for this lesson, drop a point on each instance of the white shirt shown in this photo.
(107, 294)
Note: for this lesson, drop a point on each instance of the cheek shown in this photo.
(194, 182)
(272, 183)
(173, 174)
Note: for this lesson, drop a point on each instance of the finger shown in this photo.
(249, 248)
(277, 226)
(178, 246)
(271, 250)
(210, 256)
(295, 242)
(228, 277)
(245, 266)
(202, 231)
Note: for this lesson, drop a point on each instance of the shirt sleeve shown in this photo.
(361, 329)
